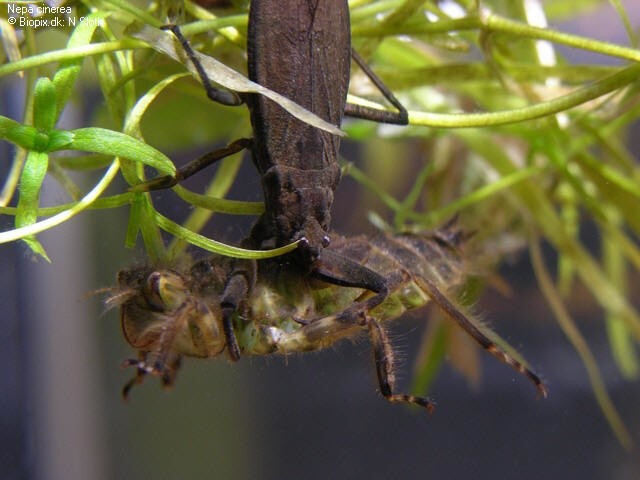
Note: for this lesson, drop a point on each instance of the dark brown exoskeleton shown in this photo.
(301, 49)
(302, 53)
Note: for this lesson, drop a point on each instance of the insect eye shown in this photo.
(152, 292)
(165, 291)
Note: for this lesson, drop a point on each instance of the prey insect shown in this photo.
(167, 314)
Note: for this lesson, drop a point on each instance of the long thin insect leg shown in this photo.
(401, 117)
(468, 326)
(383, 357)
(224, 97)
(193, 167)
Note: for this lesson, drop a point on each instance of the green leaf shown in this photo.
(33, 173)
(6, 126)
(220, 205)
(109, 142)
(59, 218)
(217, 247)
(166, 43)
(68, 71)
(59, 139)
(44, 108)
(23, 136)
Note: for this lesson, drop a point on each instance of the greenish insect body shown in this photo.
(167, 314)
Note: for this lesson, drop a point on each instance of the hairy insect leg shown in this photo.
(481, 338)
(339, 270)
(401, 117)
(324, 331)
(383, 358)
(166, 361)
(225, 97)
(193, 167)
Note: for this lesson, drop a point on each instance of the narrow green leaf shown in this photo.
(7, 125)
(68, 71)
(132, 122)
(112, 201)
(166, 43)
(24, 136)
(151, 235)
(83, 203)
(133, 226)
(33, 173)
(220, 205)
(59, 139)
(40, 59)
(36, 247)
(546, 108)
(579, 344)
(620, 338)
(109, 142)
(217, 247)
(44, 108)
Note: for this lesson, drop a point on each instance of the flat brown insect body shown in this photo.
(300, 49)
